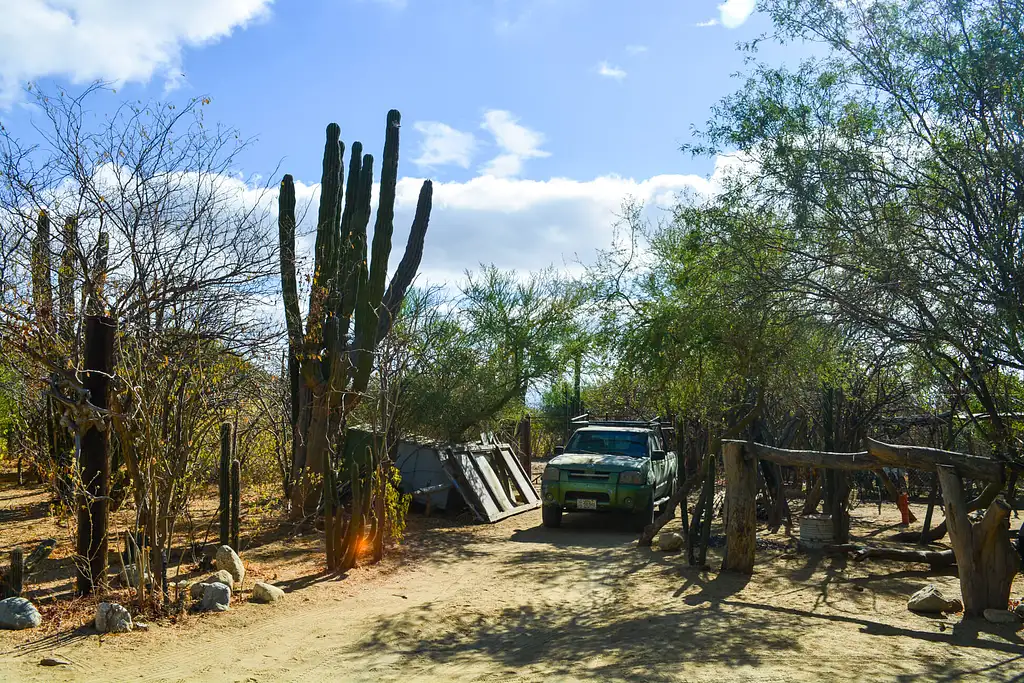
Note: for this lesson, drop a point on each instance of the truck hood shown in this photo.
(612, 463)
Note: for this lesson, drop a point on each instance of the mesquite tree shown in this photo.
(349, 312)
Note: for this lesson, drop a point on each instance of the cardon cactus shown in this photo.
(15, 575)
(225, 483)
(350, 310)
(236, 503)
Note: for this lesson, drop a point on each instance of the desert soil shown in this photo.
(517, 602)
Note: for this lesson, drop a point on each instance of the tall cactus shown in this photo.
(225, 483)
(236, 503)
(14, 579)
(349, 312)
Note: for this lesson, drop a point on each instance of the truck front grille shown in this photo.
(583, 475)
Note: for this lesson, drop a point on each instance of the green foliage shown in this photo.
(473, 358)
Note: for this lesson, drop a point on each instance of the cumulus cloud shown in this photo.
(442, 144)
(706, 24)
(734, 12)
(111, 40)
(516, 142)
(608, 71)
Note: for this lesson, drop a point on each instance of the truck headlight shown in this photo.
(550, 474)
(631, 477)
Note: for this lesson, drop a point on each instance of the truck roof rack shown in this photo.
(585, 420)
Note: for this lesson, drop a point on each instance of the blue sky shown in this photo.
(535, 117)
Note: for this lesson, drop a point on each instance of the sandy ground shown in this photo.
(517, 602)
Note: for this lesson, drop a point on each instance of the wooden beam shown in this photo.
(921, 458)
(838, 461)
(882, 455)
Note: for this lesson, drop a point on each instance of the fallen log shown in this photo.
(935, 558)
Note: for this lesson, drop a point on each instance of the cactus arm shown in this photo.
(289, 283)
(290, 291)
(42, 289)
(98, 274)
(383, 230)
(326, 233)
(408, 266)
(66, 281)
(361, 362)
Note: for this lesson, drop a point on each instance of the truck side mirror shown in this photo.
(657, 456)
(559, 450)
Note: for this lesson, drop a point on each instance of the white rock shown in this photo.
(228, 560)
(222, 576)
(1019, 611)
(669, 541)
(18, 613)
(1000, 616)
(931, 600)
(266, 592)
(216, 598)
(112, 618)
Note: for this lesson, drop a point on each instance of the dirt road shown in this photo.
(517, 602)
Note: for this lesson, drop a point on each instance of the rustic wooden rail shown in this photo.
(880, 455)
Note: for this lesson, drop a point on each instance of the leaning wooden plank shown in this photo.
(522, 483)
(460, 468)
(492, 481)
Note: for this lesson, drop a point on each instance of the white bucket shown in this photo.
(815, 531)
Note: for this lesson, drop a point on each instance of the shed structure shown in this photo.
(488, 476)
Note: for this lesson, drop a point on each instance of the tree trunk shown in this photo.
(986, 560)
(305, 494)
(740, 512)
(813, 495)
(93, 461)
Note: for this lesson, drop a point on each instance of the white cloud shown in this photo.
(636, 49)
(530, 224)
(734, 12)
(706, 24)
(517, 143)
(443, 144)
(608, 71)
(113, 40)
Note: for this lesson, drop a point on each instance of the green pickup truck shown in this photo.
(615, 466)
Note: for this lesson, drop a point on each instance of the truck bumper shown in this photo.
(606, 497)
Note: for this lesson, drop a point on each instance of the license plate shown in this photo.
(586, 504)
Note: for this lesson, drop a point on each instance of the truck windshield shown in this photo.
(632, 444)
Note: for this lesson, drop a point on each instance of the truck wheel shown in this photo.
(552, 516)
(644, 517)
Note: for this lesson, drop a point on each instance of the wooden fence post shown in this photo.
(740, 511)
(93, 461)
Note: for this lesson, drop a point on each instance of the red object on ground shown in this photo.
(903, 503)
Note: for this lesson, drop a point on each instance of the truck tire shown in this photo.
(552, 516)
(644, 517)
